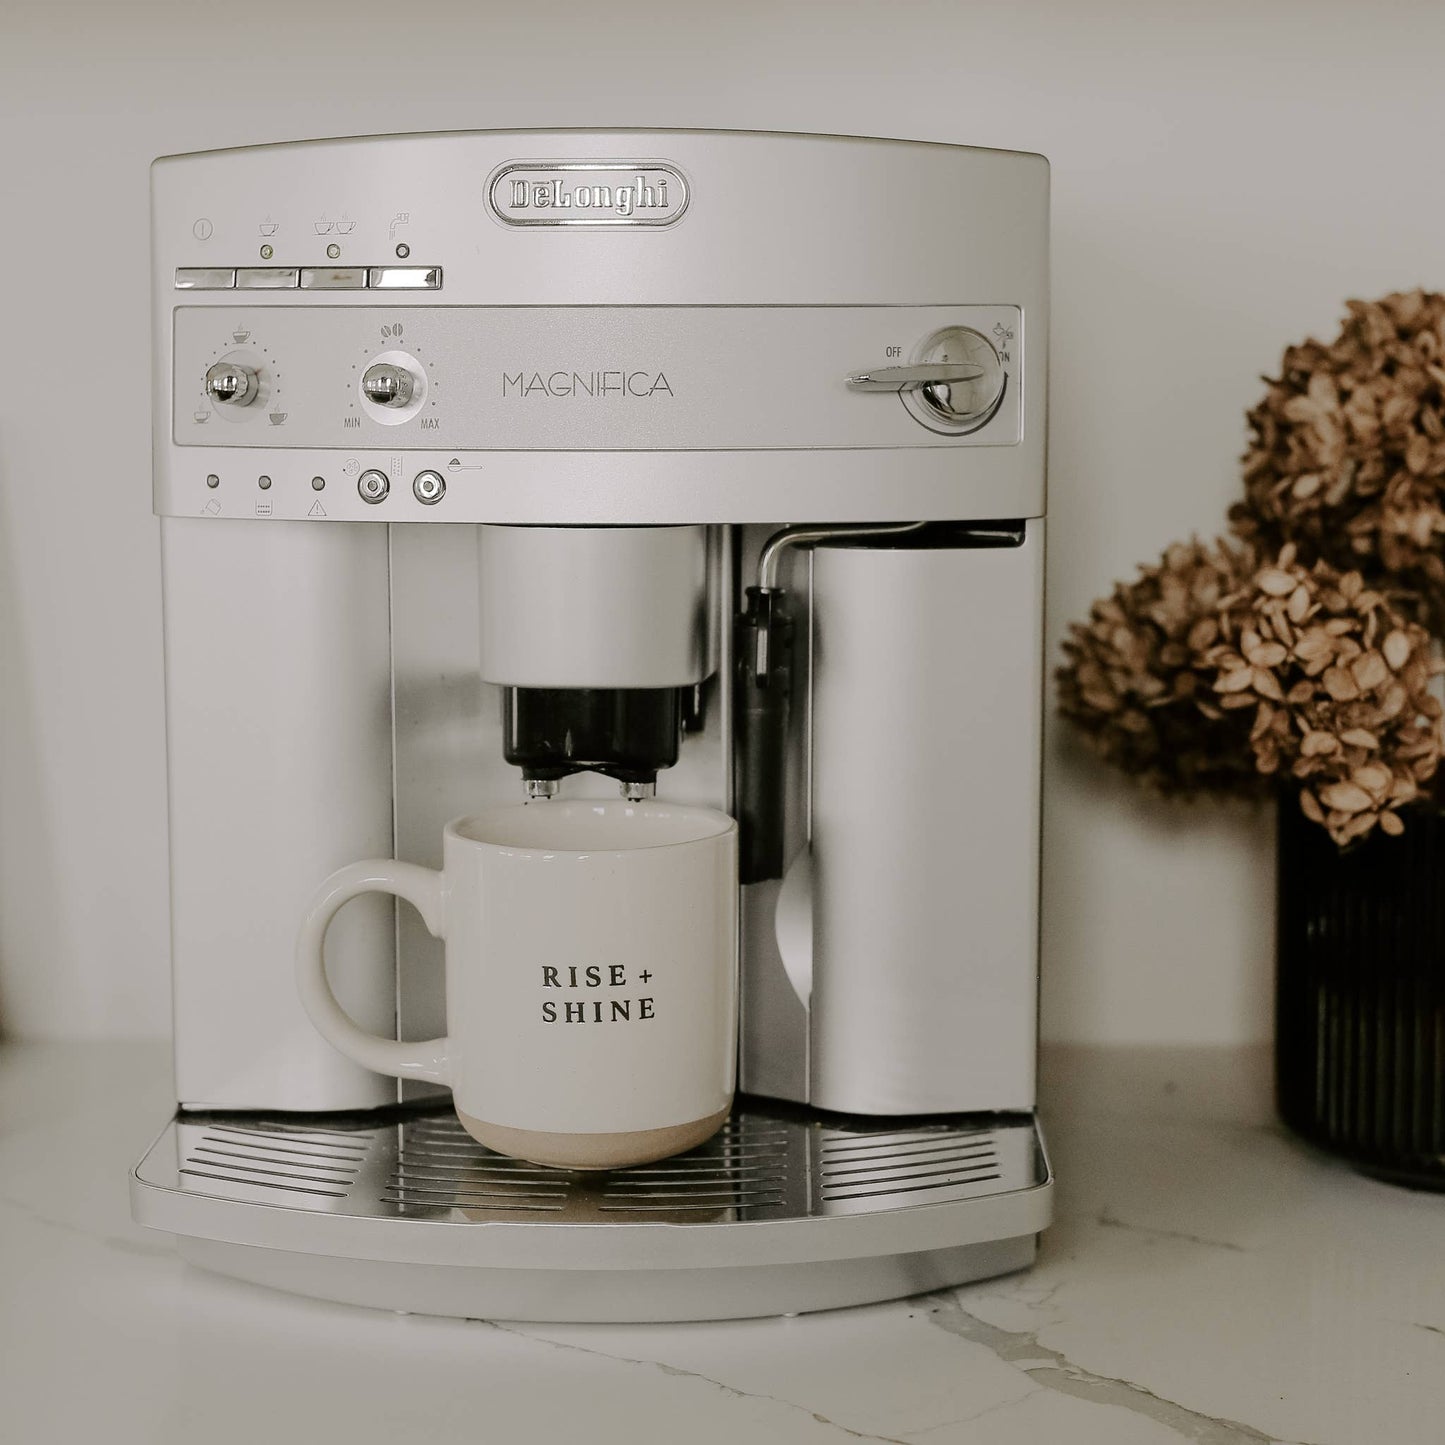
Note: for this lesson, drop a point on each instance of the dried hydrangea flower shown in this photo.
(1222, 670)
(1138, 683)
(1339, 686)
(1347, 455)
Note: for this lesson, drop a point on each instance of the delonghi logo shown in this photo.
(587, 193)
(585, 383)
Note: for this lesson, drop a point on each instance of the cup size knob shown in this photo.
(228, 383)
(387, 385)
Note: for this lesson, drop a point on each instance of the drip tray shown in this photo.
(779, 1212)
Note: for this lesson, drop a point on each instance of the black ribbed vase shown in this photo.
(1360, 1028)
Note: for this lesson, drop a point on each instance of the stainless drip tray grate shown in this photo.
(319, 1162)
(778, 1212)
(759, 1166)
(743, 1167)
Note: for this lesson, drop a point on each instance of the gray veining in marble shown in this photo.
(1208, 1280)
(1050, 1369)
(677, 1372)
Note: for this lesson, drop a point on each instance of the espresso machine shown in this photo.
(531, 464)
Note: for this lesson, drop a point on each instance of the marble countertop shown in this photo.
(1207, 1279)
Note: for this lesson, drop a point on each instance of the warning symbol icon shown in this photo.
(317, 510)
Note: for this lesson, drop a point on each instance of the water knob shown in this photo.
(387, 385)
(228, 383)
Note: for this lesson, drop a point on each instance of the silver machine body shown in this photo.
(445, 421)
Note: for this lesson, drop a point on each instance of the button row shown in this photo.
(309, 278)
(427, 487)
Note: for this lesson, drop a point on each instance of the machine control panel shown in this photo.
(646, 378)
(831, 330)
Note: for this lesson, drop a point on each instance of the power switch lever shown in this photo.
(907, 378)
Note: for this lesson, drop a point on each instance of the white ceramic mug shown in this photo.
(591, 977)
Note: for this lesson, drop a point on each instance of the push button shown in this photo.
(428, 488)
(333, 278)
(406, 278)
(205, 278)
(373, 486)
(267, 278)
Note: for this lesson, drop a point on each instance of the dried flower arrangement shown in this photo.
(1302, 649)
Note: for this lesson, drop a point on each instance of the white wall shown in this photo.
(1224, 175)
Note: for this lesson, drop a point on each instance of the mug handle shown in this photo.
(422, 888)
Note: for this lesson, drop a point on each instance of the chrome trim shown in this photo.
(428, 488)
(807, 536)
(228, 383)
(404, 278)
(666, 171)
(333, 278)
(764, 1165)
(372, 486)
(906, 378)
(205, 278)
(267, 278)
(387, 385)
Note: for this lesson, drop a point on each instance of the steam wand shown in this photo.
(764, 672)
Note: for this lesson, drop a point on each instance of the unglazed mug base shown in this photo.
(594, 1151)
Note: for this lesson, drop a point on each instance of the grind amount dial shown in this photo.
(393, 388)
(386, 384)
